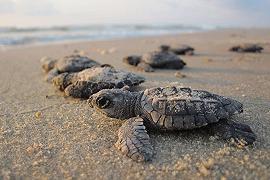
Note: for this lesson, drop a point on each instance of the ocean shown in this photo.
(10, 36)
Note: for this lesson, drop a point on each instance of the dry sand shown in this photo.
(46, 135)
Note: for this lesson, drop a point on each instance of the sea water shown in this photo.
(35, 35)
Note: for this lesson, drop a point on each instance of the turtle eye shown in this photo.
(103, 102)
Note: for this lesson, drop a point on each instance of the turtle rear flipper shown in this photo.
(133, 140)
(227, 130)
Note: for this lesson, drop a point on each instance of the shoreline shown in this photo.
(17, 36)
(70, 140)
(15, 46)
(127, 38)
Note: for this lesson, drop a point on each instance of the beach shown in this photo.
(45, 135)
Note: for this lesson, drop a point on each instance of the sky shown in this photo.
(231, 13)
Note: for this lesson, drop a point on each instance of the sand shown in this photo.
(46, 135)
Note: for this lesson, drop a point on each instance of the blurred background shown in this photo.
(44, 21)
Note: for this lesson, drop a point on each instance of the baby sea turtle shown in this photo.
(168, 109)
(89, 81)
(179, 49)
(156, 59)
(253, 48)
(72, 63)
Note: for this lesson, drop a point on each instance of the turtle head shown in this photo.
(132, 60)
(114, 103)
(47, 63)
(164, 48)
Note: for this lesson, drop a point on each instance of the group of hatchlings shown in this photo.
(156, 109)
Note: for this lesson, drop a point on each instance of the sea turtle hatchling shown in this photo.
(156, 59)
(89, 81)
(169, 109)
(253, 48)
(178, 49)
(71, 63)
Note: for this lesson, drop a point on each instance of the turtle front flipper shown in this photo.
(133, 140)
(227, 130)
(84, 89)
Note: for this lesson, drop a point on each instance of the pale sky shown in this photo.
(249, 13)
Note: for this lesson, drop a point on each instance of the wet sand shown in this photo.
(46, 135)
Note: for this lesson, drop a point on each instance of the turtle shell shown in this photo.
(247, 48)
(184, 108)
(182, 49)
(74, 63)
(251, 47)
(158, 59)
(178, 49)
(109, 75)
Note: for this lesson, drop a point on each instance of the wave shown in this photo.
(18, 36)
